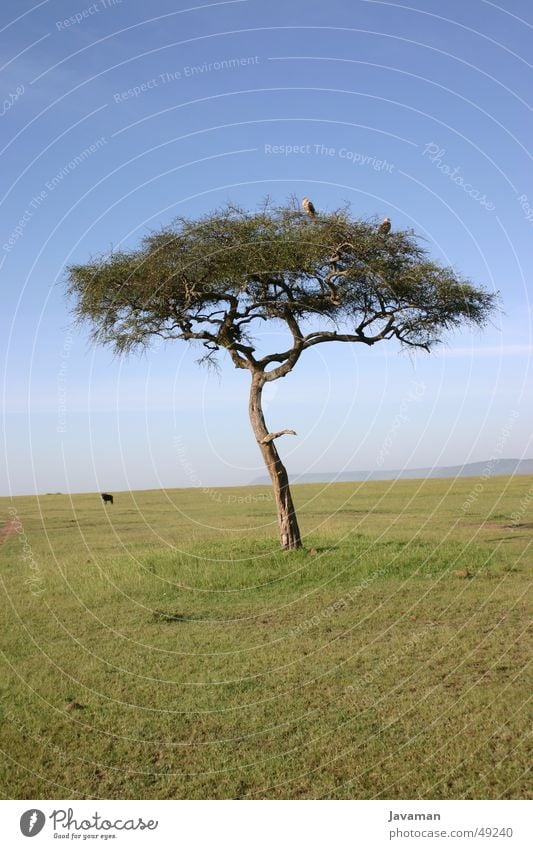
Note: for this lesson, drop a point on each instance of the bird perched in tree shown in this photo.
(309, 208)
(385, 227)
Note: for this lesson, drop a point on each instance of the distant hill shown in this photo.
(492, 468)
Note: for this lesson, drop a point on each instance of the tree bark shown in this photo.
(288, 523)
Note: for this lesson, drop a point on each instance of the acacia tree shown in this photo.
(327, 279)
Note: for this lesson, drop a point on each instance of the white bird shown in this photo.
(385, 227)
(309, 208)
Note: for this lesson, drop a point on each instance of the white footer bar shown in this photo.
(262, 824)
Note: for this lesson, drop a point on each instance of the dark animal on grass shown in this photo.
(106, 497)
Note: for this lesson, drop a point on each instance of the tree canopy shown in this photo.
(216, 279)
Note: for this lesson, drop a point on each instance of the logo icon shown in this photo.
(32, 822)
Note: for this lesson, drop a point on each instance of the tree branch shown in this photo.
(270, 436)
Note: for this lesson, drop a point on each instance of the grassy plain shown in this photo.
(164, 647)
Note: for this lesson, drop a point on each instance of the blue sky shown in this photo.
(117, 116)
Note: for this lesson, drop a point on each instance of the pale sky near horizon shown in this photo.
(118, 116)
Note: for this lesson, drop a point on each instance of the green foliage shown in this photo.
(217, 279)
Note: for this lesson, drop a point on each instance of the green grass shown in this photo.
(164, 647)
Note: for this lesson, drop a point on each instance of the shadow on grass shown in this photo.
(164, 616)
(500, 539)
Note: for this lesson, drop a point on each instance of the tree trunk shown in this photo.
(288, 523)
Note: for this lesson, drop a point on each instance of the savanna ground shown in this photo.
(164, 647)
